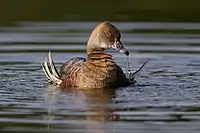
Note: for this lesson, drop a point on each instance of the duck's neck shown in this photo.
(94, 50)
(93, 44)
(93, 53)
(100, 59)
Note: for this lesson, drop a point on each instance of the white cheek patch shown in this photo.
(114, 46)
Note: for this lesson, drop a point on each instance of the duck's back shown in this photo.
(70, 69)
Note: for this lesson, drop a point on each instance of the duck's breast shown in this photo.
(99, 71)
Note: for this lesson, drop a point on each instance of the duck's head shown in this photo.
(105, 36)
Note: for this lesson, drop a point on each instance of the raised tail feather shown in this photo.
(50, 70)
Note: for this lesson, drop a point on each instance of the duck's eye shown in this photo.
(108, 34)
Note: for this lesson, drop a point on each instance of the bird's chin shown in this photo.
(120, 48)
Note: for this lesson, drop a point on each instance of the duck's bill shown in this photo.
(120, 48)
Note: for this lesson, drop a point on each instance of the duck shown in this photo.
(98, 69)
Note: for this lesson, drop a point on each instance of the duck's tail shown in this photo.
(51, 71)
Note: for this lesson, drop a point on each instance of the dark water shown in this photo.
(166, 98)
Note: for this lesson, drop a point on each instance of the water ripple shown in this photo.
(165, 99)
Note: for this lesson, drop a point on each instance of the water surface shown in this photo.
(166, 98)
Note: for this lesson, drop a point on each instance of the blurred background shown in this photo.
(166, 98)
(90, 10)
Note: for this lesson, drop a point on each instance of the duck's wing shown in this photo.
(70, 68)
(67, 73)
(122, 80)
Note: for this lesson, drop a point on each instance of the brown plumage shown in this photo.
(99, 69)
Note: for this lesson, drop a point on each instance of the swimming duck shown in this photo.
(98, 69)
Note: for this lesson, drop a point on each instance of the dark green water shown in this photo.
(166, 98)
(93, 10)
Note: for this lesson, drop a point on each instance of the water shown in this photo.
(165, 99)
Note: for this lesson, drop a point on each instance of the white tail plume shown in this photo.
(50, 70)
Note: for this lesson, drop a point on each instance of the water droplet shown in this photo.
(128, 65)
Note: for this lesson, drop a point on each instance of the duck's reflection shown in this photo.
(100, 102)
(98, 106)
(50, 96)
